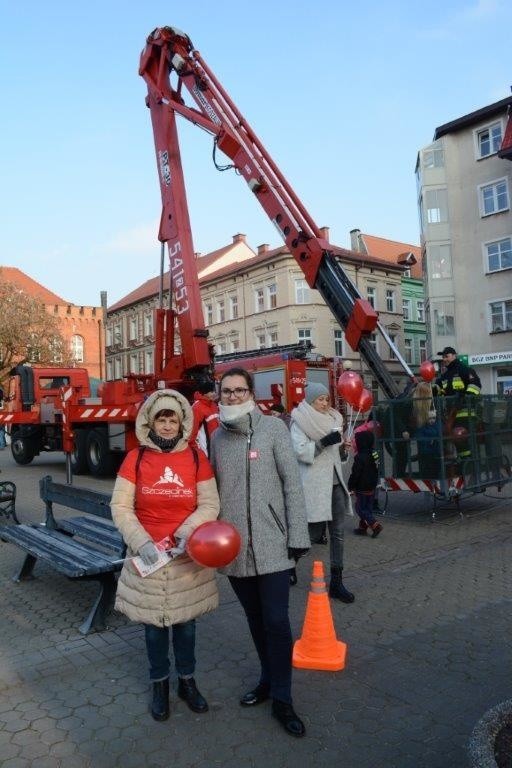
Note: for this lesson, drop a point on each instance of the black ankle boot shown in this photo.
(160, 702)
(289, 719)
(187, 690)
(337, 590)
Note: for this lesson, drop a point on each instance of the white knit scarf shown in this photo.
(230, 413)
(315, 424)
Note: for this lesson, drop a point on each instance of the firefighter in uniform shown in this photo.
(463, 382)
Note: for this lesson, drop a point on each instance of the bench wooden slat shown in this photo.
(97, 531)
(64, 553)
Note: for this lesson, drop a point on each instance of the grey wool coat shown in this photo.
(317, 474)
(260, 493)
(181, 590)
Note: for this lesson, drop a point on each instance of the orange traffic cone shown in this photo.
(318, 647)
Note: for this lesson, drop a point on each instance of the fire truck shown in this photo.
(96, 431)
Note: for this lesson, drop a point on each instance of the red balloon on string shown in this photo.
(350, 386)
(365, 401)
(459, 434)
(427, 370)
(214, 544)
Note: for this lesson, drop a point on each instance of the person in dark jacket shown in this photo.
(363, 482)
(455, 378)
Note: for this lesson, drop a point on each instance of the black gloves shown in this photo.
(330, 439)
(294, 553)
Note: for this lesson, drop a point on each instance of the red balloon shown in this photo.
(365, 401)
(427, 370)
(459, 434)
(214, 544)
(350, 386)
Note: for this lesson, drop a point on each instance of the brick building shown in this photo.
(82, 328)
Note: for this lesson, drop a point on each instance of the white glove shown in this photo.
(148, 553)
(178, 550)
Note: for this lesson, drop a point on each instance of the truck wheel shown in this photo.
(79, 464)
(22, 449)
(99, 458)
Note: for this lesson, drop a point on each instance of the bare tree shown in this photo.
(28, 333)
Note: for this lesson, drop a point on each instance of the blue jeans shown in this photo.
(364, 507)
(265, 602)
(183, 643)
(2, 437)
(336, 529)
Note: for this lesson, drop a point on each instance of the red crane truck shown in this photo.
(96, 431)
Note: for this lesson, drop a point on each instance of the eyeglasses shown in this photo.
(237, 392)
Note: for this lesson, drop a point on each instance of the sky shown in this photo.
(342, 95)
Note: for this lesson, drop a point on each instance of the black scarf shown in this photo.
(163, 443)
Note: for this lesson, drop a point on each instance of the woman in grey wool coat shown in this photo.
(261, 494)
(316, 433)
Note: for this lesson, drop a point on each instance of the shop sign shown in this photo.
(490, 358)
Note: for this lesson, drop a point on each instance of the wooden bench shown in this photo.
(85, 547)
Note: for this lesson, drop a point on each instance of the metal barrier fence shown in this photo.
(446, 445)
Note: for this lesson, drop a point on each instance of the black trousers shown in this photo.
(265, 602)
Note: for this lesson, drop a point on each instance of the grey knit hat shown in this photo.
(313, 390)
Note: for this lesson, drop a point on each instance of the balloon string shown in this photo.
(354, 423)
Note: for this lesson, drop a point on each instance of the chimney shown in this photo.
(263, 248)
(357, 242)
(324, 232)
(238, 238)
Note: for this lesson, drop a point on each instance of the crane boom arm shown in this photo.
(169, 53)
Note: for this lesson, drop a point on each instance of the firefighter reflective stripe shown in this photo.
(472, 389)
(457, 383)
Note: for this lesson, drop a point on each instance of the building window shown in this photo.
(489, 140)
(371, 295)
(148, 324)
(108, 337)
(499, 255)
(273, 338)
(259, 300)
(55, 346)
(304, 334)
(392, 346)
(118, 368)
(208, 311)
(501, 315)
(148, 361)
(110, 370)
(444, 319)
(420, 310)
(134, 329)
(338, 343)
(406, 309)
(372, 338)
(494, 197)
(118, 336)
(436, 205)
(439, 262)
(390, 300)
(302, 295)
(221, 311)
(233, 307)
(77, 348)
(235, 345)
(272, 296)
(433, 158)
(134, 363)
(260, 340)
(221, 347)
(408, 351)
(423, 350)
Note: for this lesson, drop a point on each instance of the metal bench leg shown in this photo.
(95, 621)
(25, 572)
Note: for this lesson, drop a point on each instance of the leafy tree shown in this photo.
(28, 333)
